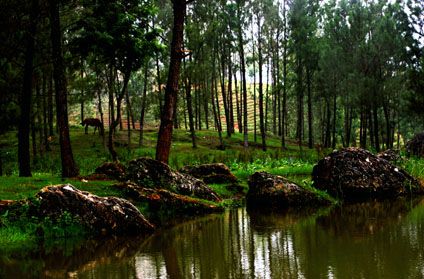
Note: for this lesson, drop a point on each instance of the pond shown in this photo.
(361, 240)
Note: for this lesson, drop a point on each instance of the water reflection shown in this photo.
(367, 240)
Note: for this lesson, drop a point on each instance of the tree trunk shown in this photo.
(238, 105)
(327, 141)
(158, 77)
(299, 89)
(243, 72)
(117, 120)
(50, 105)
(128, 109)
(45, 109)
(224, 93)
(284, 105)
(310, 132)
(230, 92)
(143, 105)
(165, 131)
(215, 105)
(261, 93)
(100, 108)
(82, 96)
(24, 156)
(69, 167)
(198, 107)
(187, 83)
(130, 114)
(376, 128)
(389, 130)
(206, 106)
(334, 120)
(254, 95)
(39, 126)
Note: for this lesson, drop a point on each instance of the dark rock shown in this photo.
(150, 173)
(161, 199)
(275, 191)
(113, 170)
(109, 215)
(354, 173)
(416, 145)
(211, 173)
(389, 155)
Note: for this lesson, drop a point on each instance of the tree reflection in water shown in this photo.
(363, 240)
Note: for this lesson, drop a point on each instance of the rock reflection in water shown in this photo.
(101, 258)
(367, 240)
(366, 218)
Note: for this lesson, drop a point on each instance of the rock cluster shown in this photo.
(112, 170)
(109, 215)
(211, 173)
(149, 173)
(161, 199)
(416, 145)
(353, 173)
(276, 191)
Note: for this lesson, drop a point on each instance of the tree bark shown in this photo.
(310, 131)
(238, 105)
(261, 94)
(187, 84)
(376, 128)
(143, 105)
(224, 93)
(82, 96)
(206, 106)
(284, 105)
(165, 131)
(45, 109)
(117, 120)
(50, 105)
(69, 167)
(24, 157)
(243, 72)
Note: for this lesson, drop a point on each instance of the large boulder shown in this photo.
(104, 215)
(164, 200)
(416, 145)
(150, 173)
(211, 173)
(113, 170)
(354, 173)
(276, 191)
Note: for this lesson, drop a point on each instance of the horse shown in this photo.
(95, 122)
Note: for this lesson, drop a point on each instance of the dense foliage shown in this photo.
(337, 73)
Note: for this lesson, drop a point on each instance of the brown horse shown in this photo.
(95, 122)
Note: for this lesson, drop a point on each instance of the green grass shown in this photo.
(16, 188)
(89, 151)
(415, 166)
(16, 238)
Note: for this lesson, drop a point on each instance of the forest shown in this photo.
(169, 110)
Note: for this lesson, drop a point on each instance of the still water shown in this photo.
(363, 240)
